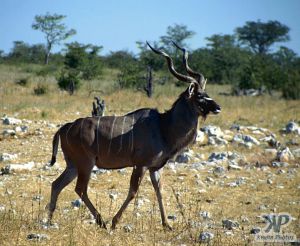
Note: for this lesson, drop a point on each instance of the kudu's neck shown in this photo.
(179, 124)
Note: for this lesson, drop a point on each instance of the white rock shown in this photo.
(206, 237)
(7, 157)
(11, 121)
(18, 167)
(77, 203)
(285, 155)
(212, 131)
(128, 228)
(292, 127)
(200, 137)
(205, 214)
(234, 166)
(230, 224)
(37, 237)
(113, 196)
(9, 132)
(23, 129)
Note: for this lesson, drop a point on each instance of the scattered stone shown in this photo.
(269, 181)
(210, 179)
(2, 208)
(245, 140)
(219, 170)
(37, 236)
(113, 196)
(285, 155)
(38, 198)
(296, 153)
(185, 156)
(244, 219)
(77, 203)
(217, 141)
(214, 131)
(206, 237)
(122, 171)
(200, 137)
(22, 129)
(255, 230)
(7, 157)
(222, 156)
(280, 171)
(9, 169)
(292, 127)
(271, 140)
(230, 224)
(11, 121)
(128, 228)
(205, 215)
(47, 226)
(279, 164)
(97, 170)
(234, 166)
(9, 132)
(50, 125)
(263, 207)
(228, 233)
(172, 217)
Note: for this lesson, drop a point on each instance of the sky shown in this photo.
(118, 24)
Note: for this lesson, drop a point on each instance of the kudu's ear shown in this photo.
(191, 89)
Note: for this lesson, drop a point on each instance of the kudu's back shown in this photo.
(115, 141)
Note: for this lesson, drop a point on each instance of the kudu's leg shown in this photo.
(135, 181)
(68, 175)
(157, 184)
(84, 173)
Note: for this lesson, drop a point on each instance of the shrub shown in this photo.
(67, 80)
(291, 89)
(130, 76)
(23, 81)
(40, 89)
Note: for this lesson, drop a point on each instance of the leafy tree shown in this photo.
(259, 36)
(54, 30)
(22, 52)
(84, 59)
(120, 58)
(177, 33)
(148, 58)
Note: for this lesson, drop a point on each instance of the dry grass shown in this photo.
(22, 214)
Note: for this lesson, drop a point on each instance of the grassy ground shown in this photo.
(22, 213)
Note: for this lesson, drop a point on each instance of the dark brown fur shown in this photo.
(144, 139)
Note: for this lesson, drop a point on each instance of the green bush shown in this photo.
(23, 81)
(131, 76)
(291, 89)
(47, 70)
(40, 90)
(68, 79)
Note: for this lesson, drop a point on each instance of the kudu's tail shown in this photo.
(54, 147)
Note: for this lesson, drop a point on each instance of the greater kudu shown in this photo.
(144, 139)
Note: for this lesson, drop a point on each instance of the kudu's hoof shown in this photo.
(101, 223)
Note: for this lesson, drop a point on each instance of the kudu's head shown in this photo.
(198, 98)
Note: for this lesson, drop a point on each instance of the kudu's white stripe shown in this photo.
(97, 133)
(131, 149)
(68, 133)
(208, 99)
(121, 141)
(111, 134)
